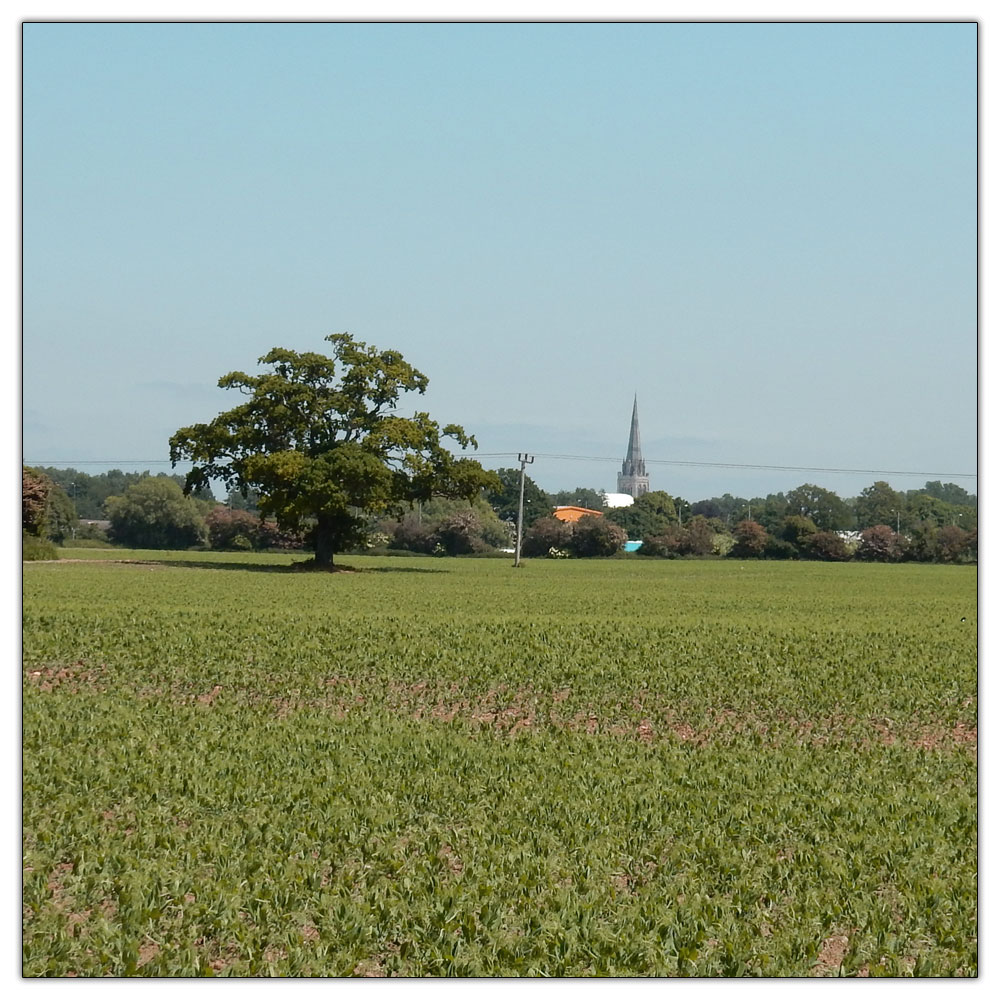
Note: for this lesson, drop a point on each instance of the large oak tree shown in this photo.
(320, 441)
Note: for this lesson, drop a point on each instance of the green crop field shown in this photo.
(449, 767)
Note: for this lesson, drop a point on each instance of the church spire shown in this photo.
(633, 479)
(633, 456)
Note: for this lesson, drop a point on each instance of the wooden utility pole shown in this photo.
(524, 460)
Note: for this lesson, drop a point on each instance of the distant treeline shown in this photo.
(89, 493)
(938, 522)
(941, 503)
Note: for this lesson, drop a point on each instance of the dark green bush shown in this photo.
(662, 546)
(545, 534)
(780, 548)
(34, 548)
(797, 529)
(596, 536)
(90, 532)
(413, 535)
(89, 543)
(155, 514)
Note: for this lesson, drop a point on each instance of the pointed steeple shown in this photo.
(633, 457)
(633, 479)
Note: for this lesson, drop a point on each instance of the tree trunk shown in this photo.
(325, 541)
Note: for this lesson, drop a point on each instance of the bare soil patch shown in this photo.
(72, 676)
(831, 955)
(374, 966)
(148, 950)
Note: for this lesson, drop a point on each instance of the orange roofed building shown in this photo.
(570, 514)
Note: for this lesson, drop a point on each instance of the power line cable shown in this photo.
(741, 465)
(594, 458)
(54, 462)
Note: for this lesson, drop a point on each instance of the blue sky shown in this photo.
(766, 231)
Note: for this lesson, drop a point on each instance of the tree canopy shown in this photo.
(451, 527)
(879, 504)
(154, 514)
(504, 497)
(594, 535)
(750, 540)
(650, 515)
(822, 506)
(89, 492)
(580, 496)
(46, 510)
(319, 439)
(949, 492)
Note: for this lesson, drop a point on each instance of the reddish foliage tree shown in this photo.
(459, 533)
(749, 540)
(880, 544)
(826, 545)
(239, 529)
(225, 526)
(35, 489)
(699, 538)
(952, 543)
(972, 546)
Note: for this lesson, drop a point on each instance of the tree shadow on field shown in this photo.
(204, 564)
(399, 569)
(294, 569)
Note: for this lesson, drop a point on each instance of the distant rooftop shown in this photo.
(571, 513)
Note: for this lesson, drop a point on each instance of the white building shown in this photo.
(613, 500)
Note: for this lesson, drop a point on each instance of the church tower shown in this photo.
(633, 479)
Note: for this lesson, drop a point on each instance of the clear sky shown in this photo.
(766, 231)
